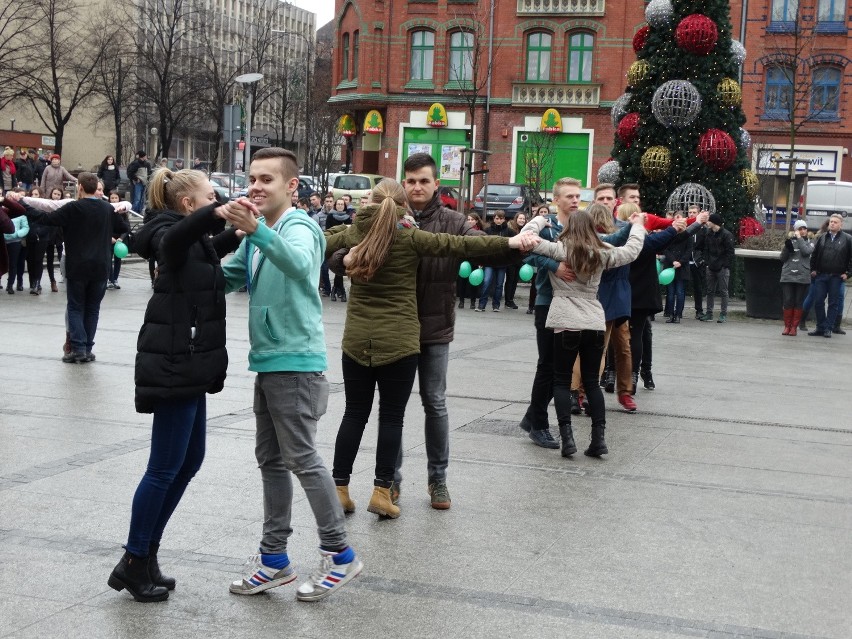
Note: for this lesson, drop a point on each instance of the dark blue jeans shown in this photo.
(325, 282)
(826, 284)
(84, 308)
(497, 276)
(675, 297)
(138, 201)
(177, 450)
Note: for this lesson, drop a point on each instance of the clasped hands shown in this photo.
(241, 213)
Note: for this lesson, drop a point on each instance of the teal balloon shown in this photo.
(659, 267)
(119, 249)
(465, 269)
(667, 276)
(526, 273)
(476, 277)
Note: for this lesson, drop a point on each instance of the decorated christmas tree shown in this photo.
(678, 127)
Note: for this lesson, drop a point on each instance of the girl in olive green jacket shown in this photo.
(381, 340)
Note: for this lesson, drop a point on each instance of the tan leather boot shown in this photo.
(381, 504)
(345, 499)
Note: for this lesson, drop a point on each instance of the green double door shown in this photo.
(543, 158)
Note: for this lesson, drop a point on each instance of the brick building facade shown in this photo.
(401, 57)
(798, 74)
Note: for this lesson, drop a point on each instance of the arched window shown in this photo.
(344, 57)
(825, 93)
(422, 55)
(461, 57)
(778, 95)
(538, 57)
(355, 47)
(580, 47)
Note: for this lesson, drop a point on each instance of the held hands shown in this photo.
(524, 241)
(637, 219)
(14, 196)
(702, 217)
(565, 272)
(350, 255)
(676, 264)
(679, 224)
(241, 213)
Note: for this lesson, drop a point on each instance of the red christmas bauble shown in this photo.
(628, 127)
(717, 149)
(697, 34)
(641, 38)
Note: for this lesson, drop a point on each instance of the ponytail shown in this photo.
(374, 248)
(167, 188)
(157, 189)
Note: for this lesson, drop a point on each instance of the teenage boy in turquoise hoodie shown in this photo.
(278, 262)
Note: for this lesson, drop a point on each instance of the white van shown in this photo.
(827, 198)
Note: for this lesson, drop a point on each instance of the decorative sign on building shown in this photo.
(819, 160)
(373, 122)
(346, 126)
(437, 116)
(551, 121)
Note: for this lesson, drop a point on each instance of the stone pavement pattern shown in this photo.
(723, 510)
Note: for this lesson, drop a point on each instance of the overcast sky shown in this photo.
(323, 8)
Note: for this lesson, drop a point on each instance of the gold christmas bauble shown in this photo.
(749, 181)
(638, 73)
(730, 93)
(656, 162)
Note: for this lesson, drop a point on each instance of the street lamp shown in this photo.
(248, 79)
(309, 44)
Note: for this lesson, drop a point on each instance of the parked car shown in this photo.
(827, 198)
(510, 198)
(355, 184)
(223, 180)
(449, 197)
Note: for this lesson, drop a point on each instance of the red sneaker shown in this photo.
(627, 402)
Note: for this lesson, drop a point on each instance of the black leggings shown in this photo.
(640, 340)
(395, 382)
(567, 345)
(51, 248)
(793, 294)
(35, 261)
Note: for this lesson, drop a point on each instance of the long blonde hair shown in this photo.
(582, 244)
(602, 217)
(167, 188)
(389, 198)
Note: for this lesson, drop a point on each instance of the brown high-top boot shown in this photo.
(345, 499)
(381, 503)
(788, 318)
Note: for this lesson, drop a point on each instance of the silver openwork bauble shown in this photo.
(691, 194)
(659, 13)
(619, 108)
(738, 52)
(676, 103)
(609, 173)
(745, 139)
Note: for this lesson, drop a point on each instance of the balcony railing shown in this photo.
(556, 95)
(569, 7)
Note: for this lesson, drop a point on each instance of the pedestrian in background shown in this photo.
(795, 275)
(55, 175)
(108, 174)
(138, 172)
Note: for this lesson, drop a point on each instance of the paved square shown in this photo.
(724, 508)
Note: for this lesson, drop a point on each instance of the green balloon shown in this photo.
(667, 276)
(526, 273)
(476, 277)
(465, 269)
(119, 249)
(659, 267)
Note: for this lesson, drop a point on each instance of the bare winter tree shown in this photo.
(797, 89)
(164, 50)
(62, 69)
(17, 22)
(113, 87)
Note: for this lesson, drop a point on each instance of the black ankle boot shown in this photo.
(132, 573)
(609, 382)
(461, 302)
(333, 296)
(342, 295)
(157, 577)
(569, 447)
(597, 447)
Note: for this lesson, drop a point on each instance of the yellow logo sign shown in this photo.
(551, 121)
(373, 122)
(346, 126)
(437, 115)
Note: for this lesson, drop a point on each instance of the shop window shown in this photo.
(355, 47)
(422, 55)
(461, 57)
(825, 93)
(783, 15)
(778, 97)
(538, 57)
(344, 57)
(580, 47)
(830, 18)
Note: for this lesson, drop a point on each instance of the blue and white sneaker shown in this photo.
(334, 572)
(262, 577)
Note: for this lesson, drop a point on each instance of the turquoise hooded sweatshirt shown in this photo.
(285, 310)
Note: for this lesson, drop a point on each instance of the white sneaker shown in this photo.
(329, 577)
(261, 577)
